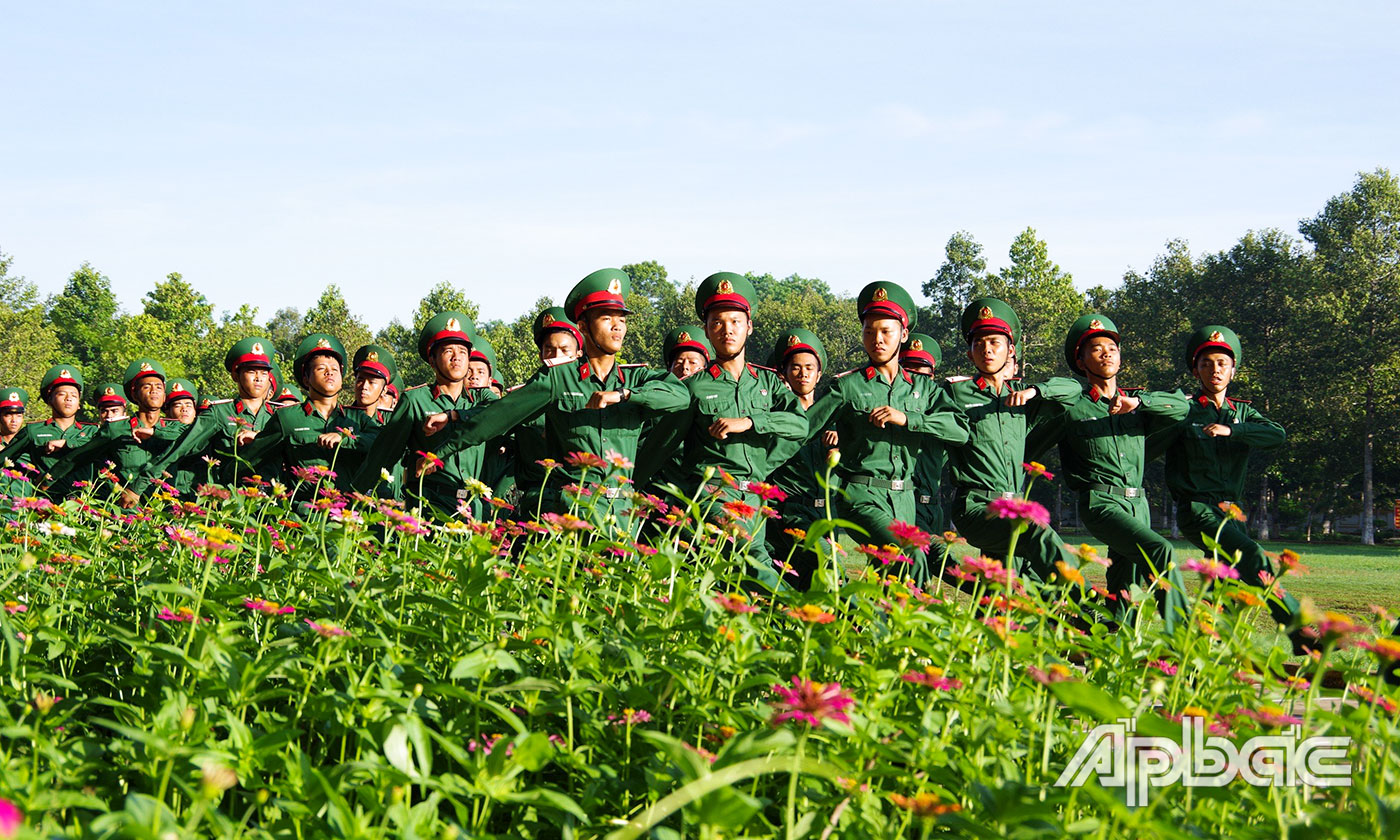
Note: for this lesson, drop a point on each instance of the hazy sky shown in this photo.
(266, 149)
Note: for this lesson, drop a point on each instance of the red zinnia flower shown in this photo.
(1020, 510)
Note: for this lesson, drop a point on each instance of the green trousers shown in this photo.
(873, 509)
(1198, 518)
(1135, 550)
(1036, 550)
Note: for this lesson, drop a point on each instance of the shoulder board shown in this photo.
(762, 367)
(958, 379)
(415, 387)
(220, 402)
(1132, 391)
(515, 387)
(635, 365)
(1239, 400)
(556, 362)
(845, 373)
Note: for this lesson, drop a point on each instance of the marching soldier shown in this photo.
(43, 445)
(110, 402)
(375, 371)
(498, 457)
(1102, 438)
(921, 355)
(686, 351)
(230, 425)
(392, 392)
(988, 465)
(445, 344)
(181, 401)
(13, 403)
(483, 365)
(559, 342)
(882, 414)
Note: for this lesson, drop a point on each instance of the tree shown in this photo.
(958, 280)
(30, 344)
(83, 315)
(1356, 241)
(1044, 298)
(285, 329)
(180, 305)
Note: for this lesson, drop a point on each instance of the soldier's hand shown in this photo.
(434, 424)
(329, 440)
(142, 434)
(723, 427)
(888, 415)
(427, 466)
(1217, 430)
(603, 399)
(53, 446)
(246, 436)
(830, 439)
(1021, 397)
(1122, 403)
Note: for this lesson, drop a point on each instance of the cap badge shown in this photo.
(453, 325)
(615, 286)
(258, 348)
(881, 294)
(108, 392)
(146, 367)
(1096, 324)
(916, 345)
(372, 356)
(684, 337)
(792, 341)
(726, 287)
(323, 344)
(64, 374)
(1217, 336)
(14, 395)
(985, 312)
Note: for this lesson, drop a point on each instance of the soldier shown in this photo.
(988, 465)
(1207, 457)
(375, 370)
(445, 344)
(392, 392)
(800, 358)
(559, 342)
(13, 403)
(283, 390)
(498, 456)
(1102, 437)
(686, 351)
(229, 425)
(109, 401)
(318, 432)
(181, 400)
(882, 415)
(590, 404)
(483, 366)
(43, 445)
(921, 355)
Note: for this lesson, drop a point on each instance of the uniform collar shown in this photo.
(134, 421)
(870, 373)
(1094, 393)
(585, 370)
(1206, 401)
(715, 371)
(266, 405)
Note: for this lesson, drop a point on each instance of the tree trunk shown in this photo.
(1368, 490)
(1261, 514)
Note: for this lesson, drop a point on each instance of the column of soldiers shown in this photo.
(709, 426)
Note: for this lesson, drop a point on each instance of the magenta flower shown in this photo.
(630, 717)
(1020, 510)
(268, 607)
(1271, 716)
(767, 492)
(1164, 666)
(736, 603)
(586, 461)
(313, 473)
(810, 702)
(617, 459)
(327, 631)
(910, 536)
(886, 555)
(10, 818)
(931, 677)
(1053, 674)
(1211, 569)
(179, 614)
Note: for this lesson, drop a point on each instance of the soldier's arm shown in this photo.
(1255, 430)
(1062, 390)
(661, 443)
(941, 420)
(92, 450)
(267, 445)
(820, 415)
(196, 438)
(785, 420)
(661, 392)
(388, 447)
(480, 424)
(1162, 408)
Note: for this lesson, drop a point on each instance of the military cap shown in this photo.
(14, 398)
(317, 343)
(1084, 328)
(887, 300)
(1213, 337)
(181, 389)
(109, 393)
(798, 340)
(555, 318)
(249, 352)
(921, 347)
(139, 368)
(395, 386)
(690, 337)
(606, 288)
(482, 351)
(287, 393)
(60, 375)
(275, 378)
(989, 314)
(444, 326)
(725, 290)
(376, 360)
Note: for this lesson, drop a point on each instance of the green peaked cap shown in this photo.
(180, 389)
(724, 289)
(314, 344)
(62, 374)
(445, 326)
(921, 347)
(1084, 328)
(797, 340)
(142, 367)
(482, 351)
(252, 352)
(606, 288)
(552, 319)
(887, 300)
(1213, 337)
(377, 360)
(688, 337)
(990, 314)
(107, 393)
(14, 398)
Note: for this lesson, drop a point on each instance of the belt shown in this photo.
(1125, 492)
(715, 488)
(878, 483)
(969, 490)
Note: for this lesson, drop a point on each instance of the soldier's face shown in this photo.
(917, 367)
(148, 393)
(687, 363)
(111, 411)
(478, 374)
(253, 383)
(990, 351)
(728, 330)
(450, 360)
(369, 389)
(802, 372)
(64, 400)
(557, 344)
(181, 410)
(1099, 357)
(1215, 371)
(387, 400)
(321, 377)
(882, 338)
(11, 421)
(605, 329)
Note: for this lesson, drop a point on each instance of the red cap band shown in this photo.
(886, 307)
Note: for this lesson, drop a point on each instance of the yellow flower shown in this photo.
(1068, 573)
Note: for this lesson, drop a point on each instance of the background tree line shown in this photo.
(1318, 313)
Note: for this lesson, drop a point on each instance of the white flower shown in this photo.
(386, 476)
(59, 529)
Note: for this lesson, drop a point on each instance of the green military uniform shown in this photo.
(28, 446)
(877, 464)
(530, 444)
(797, 465)
(12, 481)
(1104, 457)
(190, 471)
(921, 352)
(401, 438)
(1203, 471)
(988, 465)
(12, 400)
(373, 360)
(498, 454)
(560, 393)
(680, 339)
(216, 430)
(108, 394)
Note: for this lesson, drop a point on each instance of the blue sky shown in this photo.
(266, 149)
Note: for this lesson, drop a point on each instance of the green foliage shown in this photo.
(1044, 298)
(31, 344)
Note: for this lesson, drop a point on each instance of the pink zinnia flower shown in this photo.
(565, 522)
(630, 717)
(268, 607)
(585, 460)
(933, 678)
(1271, 716)
(327, 631)
(886, 555)
(736, 603)
(1053, 674)
(179, 614)
(1211, 569)
(617, 459)
(767, 492)
(910, 536)
(1164, 666)
(810, 702)
(10, 818)
(1020, 510)
(740, 510)
(1036, 469)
